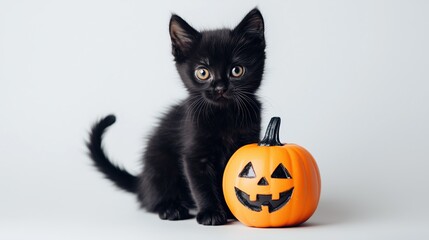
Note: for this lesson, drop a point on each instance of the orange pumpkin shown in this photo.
(271, 184)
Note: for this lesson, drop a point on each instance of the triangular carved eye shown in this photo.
(281, 172)
(248, 171)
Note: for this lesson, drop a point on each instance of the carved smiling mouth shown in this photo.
(263, 200)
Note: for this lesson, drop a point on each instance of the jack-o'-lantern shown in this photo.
(271, 184)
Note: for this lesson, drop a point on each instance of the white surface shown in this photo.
(348, 78)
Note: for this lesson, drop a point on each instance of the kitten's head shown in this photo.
(222, 66)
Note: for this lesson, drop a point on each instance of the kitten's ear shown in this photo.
(252, 24)
(183, 37)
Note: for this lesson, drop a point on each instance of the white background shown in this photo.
(349, 79)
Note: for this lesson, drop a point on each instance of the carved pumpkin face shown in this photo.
(272, 184)
(265, 195)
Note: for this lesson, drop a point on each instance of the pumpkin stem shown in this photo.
(271, 137)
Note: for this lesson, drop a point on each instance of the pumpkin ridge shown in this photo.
(292, 169)
(305, 170)
(316, 175)
(311, 169)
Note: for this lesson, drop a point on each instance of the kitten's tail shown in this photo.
(119, 176)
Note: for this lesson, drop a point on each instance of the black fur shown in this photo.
(186, 154)
(120, 177)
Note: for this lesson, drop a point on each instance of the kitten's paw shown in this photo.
(211, 217)
(174, 213)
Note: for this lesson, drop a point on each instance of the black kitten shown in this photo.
(186, 154)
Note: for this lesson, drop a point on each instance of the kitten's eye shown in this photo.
(202, 74)
(237, 71)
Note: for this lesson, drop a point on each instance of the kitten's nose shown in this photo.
(220, 90)
(220, 87)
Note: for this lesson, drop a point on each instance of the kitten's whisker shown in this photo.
(246, 114)
(251, 102)
(194, 109)
(240, 111)
(246, 105)
(198, 110)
